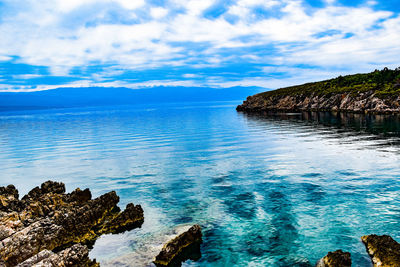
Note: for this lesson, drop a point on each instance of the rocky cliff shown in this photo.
(377, 92)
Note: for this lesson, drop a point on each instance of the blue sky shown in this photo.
(207, 43)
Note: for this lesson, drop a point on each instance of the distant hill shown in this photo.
(375, 92)
(100, 96)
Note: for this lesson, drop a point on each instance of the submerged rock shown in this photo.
(183, 247)
(383, 250)
(335, 259)
(52, 228)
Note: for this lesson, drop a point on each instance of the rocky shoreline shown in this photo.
(49, 227)
(364, 102)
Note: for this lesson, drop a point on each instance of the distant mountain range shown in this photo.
(100, 96)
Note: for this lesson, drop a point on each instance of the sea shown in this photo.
(268, 189)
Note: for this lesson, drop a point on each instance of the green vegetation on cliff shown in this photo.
(385, 83)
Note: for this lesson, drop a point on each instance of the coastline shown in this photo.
(363, 103)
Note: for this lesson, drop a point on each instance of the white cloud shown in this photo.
(26, 76)
(68, 5)
(196, 7)
(372, 3)
(5, 58)
(158, 12)
(242, 7)
(89, 83)
(131, 4)
(190, 75)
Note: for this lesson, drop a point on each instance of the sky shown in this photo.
(46, 44)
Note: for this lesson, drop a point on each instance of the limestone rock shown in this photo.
(383, 250)
(180, 248)
(335, 259)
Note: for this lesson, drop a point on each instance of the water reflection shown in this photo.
(387, 125)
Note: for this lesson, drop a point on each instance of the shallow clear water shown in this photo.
(267, 190)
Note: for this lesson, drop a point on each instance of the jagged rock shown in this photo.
(123, 221)
(47, 219)
(8, 198)
(45, 188)
(180, 248)
(383, 250)
(335, 259)
(80, 196)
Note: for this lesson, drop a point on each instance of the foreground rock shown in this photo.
(51, 228)
(181, 248)
(335, 259)
(383, 250)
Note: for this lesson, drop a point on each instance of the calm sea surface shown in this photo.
(279, 190)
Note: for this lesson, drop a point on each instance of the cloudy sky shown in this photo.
(209, 43)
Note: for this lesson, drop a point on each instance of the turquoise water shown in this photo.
(277, 190)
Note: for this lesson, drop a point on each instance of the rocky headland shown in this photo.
(377, 92)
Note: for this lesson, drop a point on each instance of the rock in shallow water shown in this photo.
(335, 259)
(45, 224)
(183, 247)
(383, 250)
